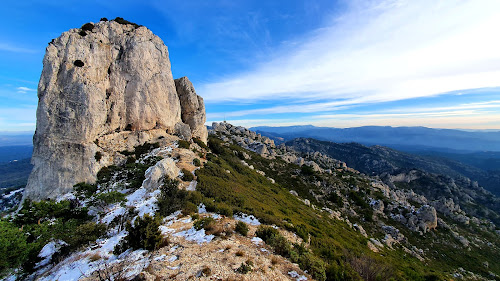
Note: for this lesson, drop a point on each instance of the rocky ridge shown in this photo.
(421, 213)
(105, 88)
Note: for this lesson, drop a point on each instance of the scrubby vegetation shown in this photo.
(183, 144)
(143, 234)
(334, 247)
(38, 223)
(187, 175)
(241, 228)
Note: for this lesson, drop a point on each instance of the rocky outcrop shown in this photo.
(103, 89)
(193, 108)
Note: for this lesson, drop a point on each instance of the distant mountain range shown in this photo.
(402, 138)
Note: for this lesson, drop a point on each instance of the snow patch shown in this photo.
(198, 236)
(298, 277)
(48, 251)
(249, 219)
(109, 217)
(257, 240)
(202, 209)
(192, 186)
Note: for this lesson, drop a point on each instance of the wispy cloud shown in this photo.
(376, 52)
(15, 49)
(24, 90)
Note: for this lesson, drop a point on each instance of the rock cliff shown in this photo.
(104, 88)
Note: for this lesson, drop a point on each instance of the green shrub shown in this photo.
(189, 208)
(45, 210)
(241, 228)
(183, 144)
(85, 190)
(172, 199)
(196, 162)
(204, 223)
(104, 19)
(144, 148)
(200, 143)
(144, 234)
(245, 267)
(85, 233)
(188, 176)
(103, 199)
(307, 170)
(315, 266)
(15, 249)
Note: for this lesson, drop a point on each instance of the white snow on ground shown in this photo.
(138, 261)
(299, 277)
(215, 216)
(47, 251)
(194, 235)
(172, 216)
(192, 186)
(70, 270)
(250, 219)
(160, 258)
(173, 258)
(143, 201)
(110, 216)
(12, 193)
(202, 209)
(67, 196)
(257, 241)
(165, 230)
(106, 246)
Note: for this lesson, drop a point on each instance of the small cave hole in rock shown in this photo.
(108, 93)
(78, 63)
(109, 70)
(129, 127)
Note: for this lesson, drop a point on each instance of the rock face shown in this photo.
(193, 108)
(102, 90)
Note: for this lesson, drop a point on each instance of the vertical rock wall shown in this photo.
(106, 84)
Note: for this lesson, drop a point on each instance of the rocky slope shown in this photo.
(438, 183)
(104, 88)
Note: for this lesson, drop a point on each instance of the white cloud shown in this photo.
(376, 52)
(24, 90)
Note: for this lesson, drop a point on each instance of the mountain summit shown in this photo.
(104, 88)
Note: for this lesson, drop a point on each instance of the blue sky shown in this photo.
(326, 63)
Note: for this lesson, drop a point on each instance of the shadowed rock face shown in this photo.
(102, 91)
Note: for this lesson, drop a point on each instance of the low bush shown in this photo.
(144, 234)
(241, 228)
(196, 162)
(188, 176)
(200, 143)
(183, 144)
(245, 267)
(206, 223)
(85, 190)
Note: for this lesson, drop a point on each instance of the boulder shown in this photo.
(165, 168)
